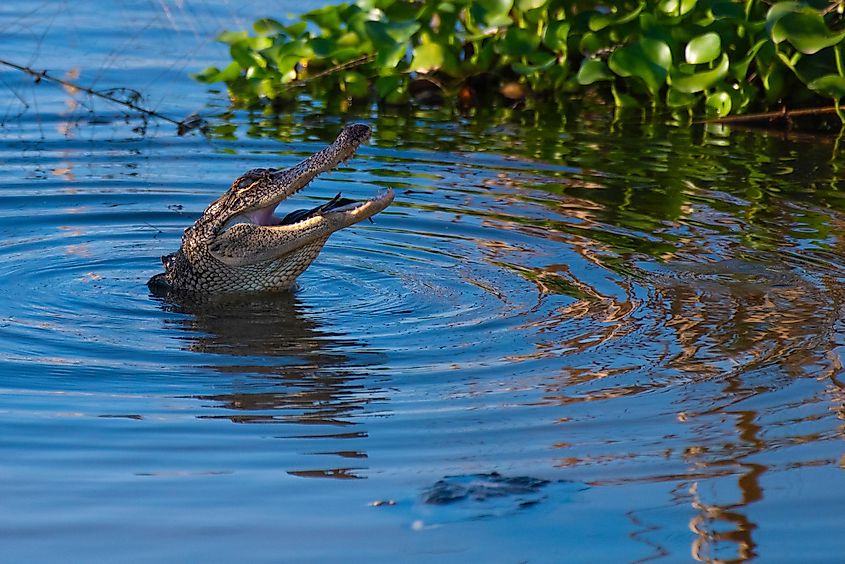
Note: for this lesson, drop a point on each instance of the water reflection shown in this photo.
(297, 372)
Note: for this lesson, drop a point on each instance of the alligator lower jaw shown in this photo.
(336, 206)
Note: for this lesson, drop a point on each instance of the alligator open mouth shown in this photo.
(241, 244)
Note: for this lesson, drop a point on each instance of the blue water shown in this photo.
(640, 318)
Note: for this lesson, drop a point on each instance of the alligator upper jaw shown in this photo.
(278, 185)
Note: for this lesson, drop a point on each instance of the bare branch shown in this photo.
(189, 123)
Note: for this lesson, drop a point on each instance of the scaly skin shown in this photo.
(238, 246)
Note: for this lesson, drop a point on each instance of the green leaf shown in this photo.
(492, 13)
(658, 52)
(718, 104)
(703, 49)
(540, 61)
(267, 26)
(777, 11)
(555, 36)
(697, 82)
(526, 5)
(387, 84)
(593, 70)
(593, 43)
(297, 29)
(392, 89)
(676, 7)
(427, 57)
(387, 34)
(740, 68)
(678, 99)
(599, 21)
(831, 85)
(213, 74)
(232, 37)
(635, 60)
(519, 42)
(244, 56)
(806, 31)
(727, 9)
(390, 57)
(327, 18)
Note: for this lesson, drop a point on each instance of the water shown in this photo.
(616, 338)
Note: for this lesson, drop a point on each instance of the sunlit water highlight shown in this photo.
(644, 322)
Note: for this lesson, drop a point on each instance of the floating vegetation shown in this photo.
(713, 56)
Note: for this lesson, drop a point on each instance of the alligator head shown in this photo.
(239, 245)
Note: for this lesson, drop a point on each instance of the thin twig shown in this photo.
(768, 116)
(105, 95)
(363, 59)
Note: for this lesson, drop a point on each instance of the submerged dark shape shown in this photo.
(238, 245)
(481, 487)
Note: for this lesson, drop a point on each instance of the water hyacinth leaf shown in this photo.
(324, 47)
(328, 18)
(703, 49)
(697, 82)
(519, 42)
(555, 36)
(403, 11)
(727, 9)
(232, 37)
(599, 21)
(492, 13)
(676, 7)
(593, 70)
(831, 85)
(390, 57)
(525, 5)
(658, 52)
(678, 99)
(740, 68)
(213, 74)
(539, 61)
(742, 97)
(387, 84)
(633, 60)
(593, 43)
(285, 56)
(806, 31)
(296, 30)
(776, 12)
(388, 34)
(245, 56)
(266, 26)
(718, 104)
(392, 89)
(429, 57)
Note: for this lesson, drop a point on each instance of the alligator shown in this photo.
(238, 245)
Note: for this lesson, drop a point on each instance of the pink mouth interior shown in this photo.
(264, 216)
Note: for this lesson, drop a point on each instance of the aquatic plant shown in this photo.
(722, 56)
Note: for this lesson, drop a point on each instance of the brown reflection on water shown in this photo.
(289, 369)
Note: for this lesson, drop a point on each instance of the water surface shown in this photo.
(574, 336)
